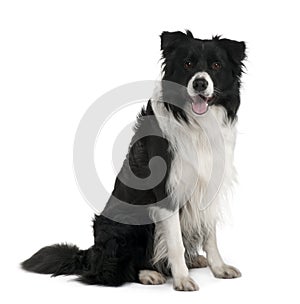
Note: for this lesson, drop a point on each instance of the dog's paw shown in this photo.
(198, 262)
(185, 284)
(226, 272)
(151, 277)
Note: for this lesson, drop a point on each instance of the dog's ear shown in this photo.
(235, 49)
(169, 40)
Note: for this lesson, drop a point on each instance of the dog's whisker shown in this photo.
(217, 90)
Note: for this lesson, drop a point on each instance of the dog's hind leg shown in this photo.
(151, 277)
(198, 261)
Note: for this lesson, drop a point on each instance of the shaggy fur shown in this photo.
(132, 253)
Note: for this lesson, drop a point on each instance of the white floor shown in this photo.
(268, 275)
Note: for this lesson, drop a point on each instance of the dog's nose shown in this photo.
(200, 84)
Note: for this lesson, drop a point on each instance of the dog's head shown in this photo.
(210, 70)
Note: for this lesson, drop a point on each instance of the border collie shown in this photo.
(209, 72)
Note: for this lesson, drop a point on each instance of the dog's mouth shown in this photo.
(200, 104)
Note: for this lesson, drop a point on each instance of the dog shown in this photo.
(208, 74)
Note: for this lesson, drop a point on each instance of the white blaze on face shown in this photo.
(208, 92)
(200, 99)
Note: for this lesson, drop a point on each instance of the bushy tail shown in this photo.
(57, 260)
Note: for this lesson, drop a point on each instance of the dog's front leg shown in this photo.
(171, 234)
(215, 261)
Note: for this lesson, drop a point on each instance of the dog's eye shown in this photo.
(188, 64)
(216, 66)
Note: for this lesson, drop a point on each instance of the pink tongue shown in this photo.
(199, 106)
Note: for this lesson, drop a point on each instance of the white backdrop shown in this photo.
(57, 57)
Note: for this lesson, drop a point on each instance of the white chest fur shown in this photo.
(202, 169)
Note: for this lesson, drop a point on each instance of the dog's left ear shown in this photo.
(235, 49)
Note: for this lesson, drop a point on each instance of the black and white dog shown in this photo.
(123, 251)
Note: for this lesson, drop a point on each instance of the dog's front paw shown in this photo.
(185, 284)
(226, 272)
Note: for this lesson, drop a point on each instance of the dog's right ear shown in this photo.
(169, 41)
